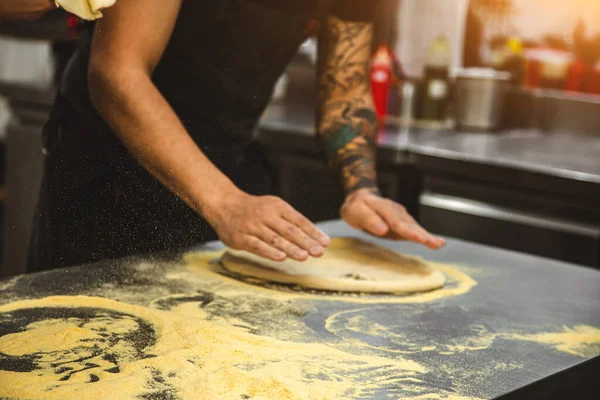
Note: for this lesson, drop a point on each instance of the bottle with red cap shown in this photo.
(381, 76)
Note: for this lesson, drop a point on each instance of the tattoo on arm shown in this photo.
(347, 123)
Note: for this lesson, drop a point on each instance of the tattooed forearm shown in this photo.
(347, 123)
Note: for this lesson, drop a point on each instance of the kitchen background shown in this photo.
(504, 152)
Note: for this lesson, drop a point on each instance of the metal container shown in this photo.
(480, 94)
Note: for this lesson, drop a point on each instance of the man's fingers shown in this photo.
(297, 236)
(395, 220)
(436, 242)
(402, 224)
(433, 242)
(282, 243)
(257, 246)
(308, 227)
(361, 216)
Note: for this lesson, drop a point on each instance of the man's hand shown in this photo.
(382, 217)
(266, 226)
(24, 9)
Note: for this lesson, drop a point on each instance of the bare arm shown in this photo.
(128, 44)
(347, 126)
(24, 9)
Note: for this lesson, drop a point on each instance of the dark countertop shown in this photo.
(507, 325)
(575, 157)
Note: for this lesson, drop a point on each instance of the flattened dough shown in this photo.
(348, 265)
(86, 9)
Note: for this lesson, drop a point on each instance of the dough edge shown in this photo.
(248, 268)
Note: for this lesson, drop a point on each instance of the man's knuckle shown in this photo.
(275, 240)
(371, 221)
(290, 249)
(261, 210)
(308, 243)
(253, 243)
(246, 226)
(305, 224)
(275, 201)
(235, 244)
(396, 226)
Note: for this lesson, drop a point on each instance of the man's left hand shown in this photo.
(385, 218)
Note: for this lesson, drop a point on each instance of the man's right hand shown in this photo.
(267, 226)
(24, 9)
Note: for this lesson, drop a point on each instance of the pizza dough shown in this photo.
(86, 9)
(348, 265)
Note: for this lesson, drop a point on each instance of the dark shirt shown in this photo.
(222, 61)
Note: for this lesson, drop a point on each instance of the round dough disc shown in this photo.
(348, 265)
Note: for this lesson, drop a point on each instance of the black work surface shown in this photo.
(476, 344)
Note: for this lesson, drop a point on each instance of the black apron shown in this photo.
(218, 71)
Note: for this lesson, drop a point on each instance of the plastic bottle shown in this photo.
(435, 91)
(381, 75)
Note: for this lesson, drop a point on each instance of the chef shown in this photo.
(149, 145)
(24, 9)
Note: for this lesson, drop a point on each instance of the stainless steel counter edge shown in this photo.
(507, 163)
(562, 155)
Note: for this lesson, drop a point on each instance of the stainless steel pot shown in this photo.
(480, 94)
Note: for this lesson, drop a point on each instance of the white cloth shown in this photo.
(86, 9)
